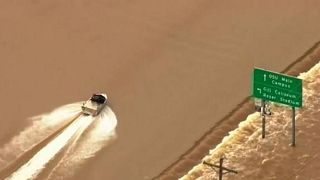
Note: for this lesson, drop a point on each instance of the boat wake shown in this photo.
(56, 144)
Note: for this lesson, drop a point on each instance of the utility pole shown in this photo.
(220, 167)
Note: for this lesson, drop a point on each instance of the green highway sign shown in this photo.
(277, 87)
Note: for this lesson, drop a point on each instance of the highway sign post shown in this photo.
(293, 140)
(279, 88)
(263, 116)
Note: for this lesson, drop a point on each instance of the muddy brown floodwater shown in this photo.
(172, 69)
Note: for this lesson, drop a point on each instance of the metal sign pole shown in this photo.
(293, 127)
(278, 88)
(263, 106)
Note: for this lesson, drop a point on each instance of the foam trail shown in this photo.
(42, 126)
(66, 152)
(34, 166)
(98, 135)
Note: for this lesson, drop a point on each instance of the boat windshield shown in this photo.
(98, 99)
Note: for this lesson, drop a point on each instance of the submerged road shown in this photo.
(169, 68)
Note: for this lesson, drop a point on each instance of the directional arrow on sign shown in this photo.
(259, 90)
